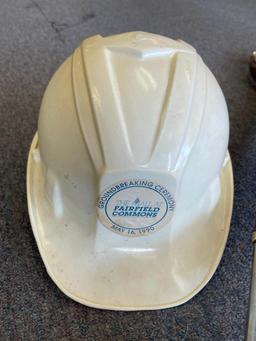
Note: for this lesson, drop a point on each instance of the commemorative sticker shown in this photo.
(135, 207)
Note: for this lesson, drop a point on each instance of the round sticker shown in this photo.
(135, 207)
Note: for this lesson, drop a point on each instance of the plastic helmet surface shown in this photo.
(129, 179)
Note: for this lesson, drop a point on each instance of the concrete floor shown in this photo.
(35, 38)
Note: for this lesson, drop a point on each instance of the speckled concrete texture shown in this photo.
(35, 37)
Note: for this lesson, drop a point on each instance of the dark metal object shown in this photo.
(251, 325)
(252, 69)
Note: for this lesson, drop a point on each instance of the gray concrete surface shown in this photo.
(35, 37)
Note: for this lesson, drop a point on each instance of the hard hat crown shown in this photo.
(134, 105)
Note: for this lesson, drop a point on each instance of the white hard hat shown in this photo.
(129, 181)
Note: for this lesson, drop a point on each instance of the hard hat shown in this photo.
(129, 180)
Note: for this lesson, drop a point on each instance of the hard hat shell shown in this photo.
(129, 181)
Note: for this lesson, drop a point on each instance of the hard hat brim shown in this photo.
(109, 271)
